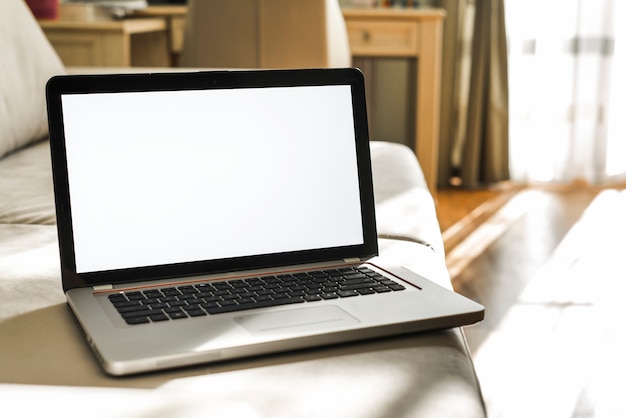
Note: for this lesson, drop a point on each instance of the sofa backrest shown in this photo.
(27, 61)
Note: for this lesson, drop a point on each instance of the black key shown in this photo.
(132, 308)
(188, 289)
(135, 296)
(263, 293)
(347, 293)
(353, 276)
(177, 315)
(329, 296)
(159, 317)
(153, 293)
(246, 294)
(137, 320)
(136, 314)
(297, 293)
(375, 275)
(221, 292)
(118, 297)
(358, 286)
(170, 291)
(221, 285)
(196, 312)
(238, 284)
(126, 304)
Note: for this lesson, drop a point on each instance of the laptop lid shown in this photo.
(179, 174)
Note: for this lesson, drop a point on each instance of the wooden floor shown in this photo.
(460, 211)
(540, 351)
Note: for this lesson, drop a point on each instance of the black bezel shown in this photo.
(80, 84)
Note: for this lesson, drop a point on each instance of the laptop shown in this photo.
(211, 216)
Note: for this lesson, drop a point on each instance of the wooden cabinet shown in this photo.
(115, 43)
(415, 34)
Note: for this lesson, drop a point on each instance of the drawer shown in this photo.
(382, 38)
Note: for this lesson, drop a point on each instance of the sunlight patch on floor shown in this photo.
(558, 351)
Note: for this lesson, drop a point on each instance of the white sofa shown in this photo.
(47, 368)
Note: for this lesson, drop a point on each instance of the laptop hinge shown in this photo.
(352, 260)
(103, 287)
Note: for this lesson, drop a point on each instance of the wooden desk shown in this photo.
(408, 33)
(114, 43)
(175, 18)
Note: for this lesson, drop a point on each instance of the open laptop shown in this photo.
(216, 215)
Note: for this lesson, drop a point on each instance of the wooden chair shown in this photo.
(265, 34)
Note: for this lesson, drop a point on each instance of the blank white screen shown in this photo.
(169, 177)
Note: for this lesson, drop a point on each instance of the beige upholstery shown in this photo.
(265, 34)
(26, 62)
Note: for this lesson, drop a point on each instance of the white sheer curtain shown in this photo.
(567, 86)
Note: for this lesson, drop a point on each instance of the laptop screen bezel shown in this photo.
(84, 84)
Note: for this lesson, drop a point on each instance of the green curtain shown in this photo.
(474, 142)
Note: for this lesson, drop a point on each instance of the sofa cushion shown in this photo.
(26, 189)
(27, 61)
(405, 209)
(30, 276)
(419, 374)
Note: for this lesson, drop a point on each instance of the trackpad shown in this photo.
(302, 319)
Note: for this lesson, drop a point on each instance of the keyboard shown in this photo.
(217, 297)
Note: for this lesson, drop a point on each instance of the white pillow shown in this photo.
(27, 61)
